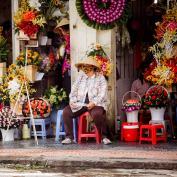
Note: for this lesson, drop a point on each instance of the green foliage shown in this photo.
(3, 49)
(55, 97)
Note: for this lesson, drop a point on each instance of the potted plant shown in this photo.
(33, 61)
(156, 99)
(8, 123)
(3, 53)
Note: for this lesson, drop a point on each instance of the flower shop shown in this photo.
(130, 39)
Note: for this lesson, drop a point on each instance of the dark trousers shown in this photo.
(97, 113)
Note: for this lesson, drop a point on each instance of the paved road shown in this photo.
(5, 172)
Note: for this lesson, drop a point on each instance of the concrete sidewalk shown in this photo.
(118, 155)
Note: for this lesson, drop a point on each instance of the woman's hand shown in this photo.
(90, 105)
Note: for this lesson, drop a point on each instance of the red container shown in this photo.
(131, 132)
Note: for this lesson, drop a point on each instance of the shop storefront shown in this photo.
(53, 36)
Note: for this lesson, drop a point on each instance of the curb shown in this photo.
(104, 164)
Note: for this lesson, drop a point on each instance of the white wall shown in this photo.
(82, 37)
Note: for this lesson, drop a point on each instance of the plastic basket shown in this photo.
(126, 93)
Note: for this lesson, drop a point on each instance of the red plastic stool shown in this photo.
(152, 133)
(82, 132)
(130, 131)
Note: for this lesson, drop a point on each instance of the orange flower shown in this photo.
(29, 16)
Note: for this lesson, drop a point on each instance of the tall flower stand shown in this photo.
(7, 135)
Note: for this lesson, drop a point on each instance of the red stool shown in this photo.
(82, 132)
(130, 131)
(152, 133)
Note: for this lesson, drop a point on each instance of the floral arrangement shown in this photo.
(131, 105)
(11, 84)
(7, 120)
(103, 14)
(49, 62)
(163, 70)
(40, 108)
(55, 97)
(33, 58)
(3, 47)
(101, 57)
(28, 17)
(54, 9)
(156, 96)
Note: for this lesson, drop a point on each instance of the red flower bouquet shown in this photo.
(40, 107)
(28, 19)
(156, 96)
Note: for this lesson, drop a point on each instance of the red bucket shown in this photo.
(131, 132)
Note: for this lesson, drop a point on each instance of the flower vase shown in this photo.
(31, 71)
(157, 114)
(132, 116)
(25, 132)
(2, 69)
(43, 40)
(22, 36)
(53, 115)
(7, 135)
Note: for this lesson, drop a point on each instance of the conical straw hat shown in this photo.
(63, 22)
(88, 61)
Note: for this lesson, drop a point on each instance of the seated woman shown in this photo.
(88, 93)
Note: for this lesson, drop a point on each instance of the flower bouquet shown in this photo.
(28, 18)
(8, 123)
(131, 107)
(55, 97)
(156, 96)
(156, 99)
(101, 57)
(7, 120)
(40, 108)
(11, 84)
(33, 58)
(33, 61)
(162, 70)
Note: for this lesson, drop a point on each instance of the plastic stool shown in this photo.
(60, 131)
(130, 131)
(43, 123)
(152, 133)
(82, 132)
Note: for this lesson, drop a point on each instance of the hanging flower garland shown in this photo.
(103, 14)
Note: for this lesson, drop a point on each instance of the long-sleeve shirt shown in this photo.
(95, 86)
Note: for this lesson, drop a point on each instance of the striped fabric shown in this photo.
(95, 86)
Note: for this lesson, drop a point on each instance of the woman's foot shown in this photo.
(106, 141)
(67, 141)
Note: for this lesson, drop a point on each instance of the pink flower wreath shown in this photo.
(103, 14)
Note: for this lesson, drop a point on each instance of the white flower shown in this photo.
(34, 4)
(13, 86)
(57, 13)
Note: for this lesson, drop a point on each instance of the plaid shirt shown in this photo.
(95, 86)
